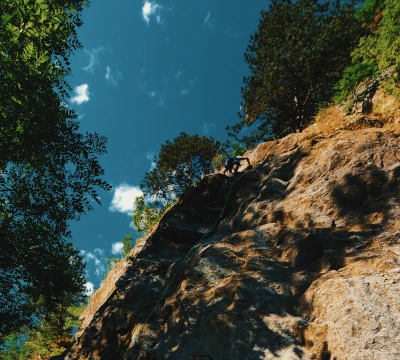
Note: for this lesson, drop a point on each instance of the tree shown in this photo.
(179, 165)
(227, 150)
(50, 337)
(127, 245)
(295, 58)
(48, 169)
(378, 51)
(146, 215)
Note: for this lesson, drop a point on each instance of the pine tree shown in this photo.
(179, 165)
(295, 58)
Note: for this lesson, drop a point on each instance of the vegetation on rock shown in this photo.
(179, 165)
(145, 215)
(378, 51)
(295, 59)
(127, 245)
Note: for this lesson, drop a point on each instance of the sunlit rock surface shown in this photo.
(304, 262)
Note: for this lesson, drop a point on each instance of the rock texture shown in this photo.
(304, 262)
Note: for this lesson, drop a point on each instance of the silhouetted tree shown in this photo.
(179, 165)
(48, 169)
(295, 58)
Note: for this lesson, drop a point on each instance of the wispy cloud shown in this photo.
(178, 74)
(150, 156)
(99, 251)
(93, 258)
(149, 9)
(234, 34)
(93, 58)
(207, 127)
(158, 96)
(81, 94)
(116, 248)
(124, 198)
(112, 77)
(193, 81)
(184, 92)
(208, 21)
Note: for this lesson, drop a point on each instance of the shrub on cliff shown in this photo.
(146, 214)
(378, 51)
(295, 58)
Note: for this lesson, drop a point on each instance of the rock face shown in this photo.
(298, 258)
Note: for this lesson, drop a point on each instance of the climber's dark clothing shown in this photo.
(233, 163)
(229, 163)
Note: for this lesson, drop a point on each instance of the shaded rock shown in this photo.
(297, 259)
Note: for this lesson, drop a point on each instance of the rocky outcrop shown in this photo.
(298, 258)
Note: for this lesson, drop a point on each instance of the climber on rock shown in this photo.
(233, 163)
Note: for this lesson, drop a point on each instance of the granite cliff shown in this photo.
(303, 263)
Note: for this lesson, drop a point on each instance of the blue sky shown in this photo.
(148, 71)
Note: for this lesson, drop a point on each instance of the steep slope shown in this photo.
(303, 263)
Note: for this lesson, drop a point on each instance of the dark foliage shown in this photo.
(179, 165)
(48, 169)
(295, 58)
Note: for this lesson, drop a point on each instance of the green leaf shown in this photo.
(28, 50)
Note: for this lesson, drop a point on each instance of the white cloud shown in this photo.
(124, 198)
(112, 77)
(150, 156)
(93, 58)
(149, 9)
(99, 251)
(207, 127)
(81, 94)
(207, 18)
(229, 31)
(116, 248)
(92, 258)
(108, 73)
(208, 21)
(89, 288)
(159, 96)
(153, 94)
(184, 92)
